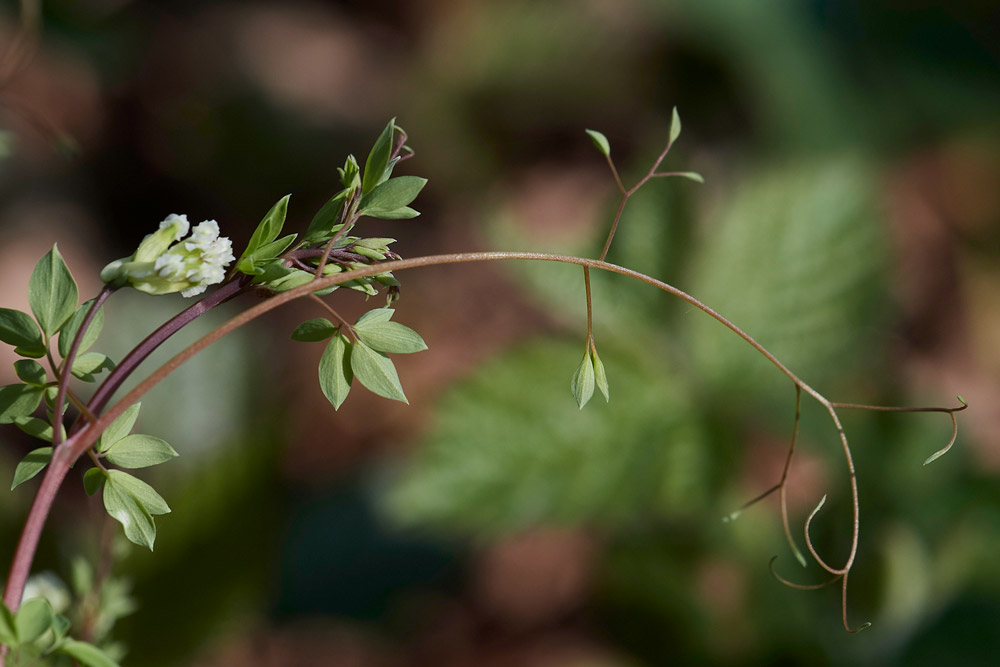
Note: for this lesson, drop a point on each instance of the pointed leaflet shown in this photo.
(324, 223)
(314, 330)
(391, 196)
(52, 292)
(139, 451)
(389, 337)
(691, 175)
(18, 400)
(37, 428)
(68, 333)
(377, 315)
(8, 632)
(19, 330)
(600, 376)
(93, 479)
(378, 159)
(267, 230)
(335, 372)
(376, 372)
(132, 503)
(583, 381)
(601, 142)
(32, 464)
(31, 372)
(675, 126)
(86, 365)
(86, 654)
(119, 428)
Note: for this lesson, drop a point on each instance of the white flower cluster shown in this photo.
(163, 263)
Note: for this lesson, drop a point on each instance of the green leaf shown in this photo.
(68, 333)
(391, 196)
(86, 365)
(374, 243)
(33, 619)
(693, 175)
(19, 330)
(402, 213)
(52, 292)
(583, 381)
(600, 376)
(324, 222)
(389, 337)
(376, 372)
(132, 503)
(37, 428)
(601, 142)
(31, 371)
(378, 159)
(251, 263)
(32, 464)
(86, 654)
(93, 480)
(376, 315)
(139, 451)
(314, 330)
(675, 126)
(144, 493)
(8, 628)
(18, 400)
(335, 372)
(119, 428)
(268, 229)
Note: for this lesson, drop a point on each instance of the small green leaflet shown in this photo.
(139, 451)
(314, 330)
(86, 654)
(32, 464)
(389, 337)
(93, 479)
(251, 264)
(675, 126)
(133, 503)
(32, 620)
(267, 230)
(600, 141)
(692, 175)
(119, 428)
(600, 376)
(37, 428)
(31, 372)
(335, 372)
(18, 400)
(324, 223)
(19, 330)
(52, 292)
(68, 332)
(583, 381)
(376, 372)
(8, 631)
(86, 365)
(378, 159)
(390, 197)
(376, 315)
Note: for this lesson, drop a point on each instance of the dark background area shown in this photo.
(850, 220)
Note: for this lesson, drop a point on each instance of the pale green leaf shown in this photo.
(314, 330)
(93, 479)
(32, 464)
(402, 213)
(601, 376)
(601, 142)
(675, 126)
(378, 159)
(52, 292)
(376, 315)
(128, 511)
(119, 428)
(376, 372)
(324, 223)
(335, 372)
(87, 365)
(389, 337)
(144, 493)
(86, 654)
(37, 428)
(139, 451)
(394, 194)
(583, 381)
(89, 337)
(33, 619)
(267, 230)
(692, 175)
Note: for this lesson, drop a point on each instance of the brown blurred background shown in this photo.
(850, 220)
